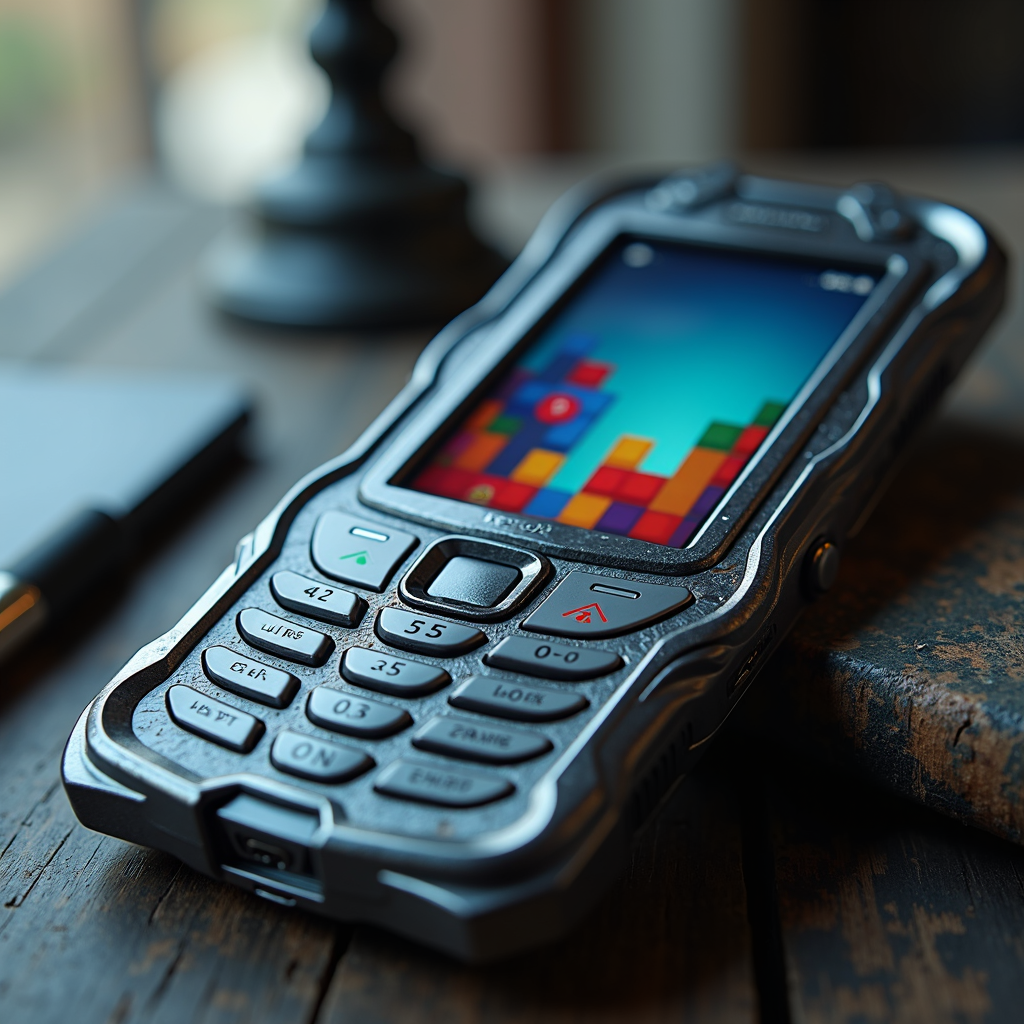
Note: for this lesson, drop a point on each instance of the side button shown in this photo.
(319, 760)
(213, 720)
(433, 784)
(249, 678)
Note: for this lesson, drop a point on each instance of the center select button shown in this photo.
(473, 579)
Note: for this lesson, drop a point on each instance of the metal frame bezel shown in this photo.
(464, 384)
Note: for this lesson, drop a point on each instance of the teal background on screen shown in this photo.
(695, 337)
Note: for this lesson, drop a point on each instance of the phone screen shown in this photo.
(642, 398)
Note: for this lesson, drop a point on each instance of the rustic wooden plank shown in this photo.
(892, 913)
(670, 942)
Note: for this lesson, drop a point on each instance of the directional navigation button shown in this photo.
(588, 605)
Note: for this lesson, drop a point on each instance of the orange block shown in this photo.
(481, 452)
(628, 452)
(685, 486)
(484, 414)
(537, 467)
(584, 510)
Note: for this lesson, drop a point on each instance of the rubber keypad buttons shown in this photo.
(286, 639)
(358, 551)
(414, 631)
(316, 599)
(214, 720)
(551, 660)
(316, 759)
(479, 741)
(586, 605)
(385, 673)
(249, 678)
(506, 699)
(447, 787)
(354, 714)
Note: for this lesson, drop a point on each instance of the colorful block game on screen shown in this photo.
(513, 445)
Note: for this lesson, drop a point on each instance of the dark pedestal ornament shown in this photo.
(362, 233)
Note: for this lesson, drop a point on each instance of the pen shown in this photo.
(44, 585)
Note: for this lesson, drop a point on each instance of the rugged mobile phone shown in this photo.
(452, 674)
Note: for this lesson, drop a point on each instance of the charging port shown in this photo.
(268, 840)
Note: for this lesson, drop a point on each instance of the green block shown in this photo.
(504, 425)
(720, 436)
(769, 413)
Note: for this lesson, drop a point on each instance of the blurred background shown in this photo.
(217, 94)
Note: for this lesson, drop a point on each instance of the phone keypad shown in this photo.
(451, 750)
(213, 719)
(479, 741)
(505, 698)
(351, 713)
(249, 678)
(324, 601)
(441, 785)
(320, 760)
(284, 638)
(424, 634)
(551, 660)
(385, 673)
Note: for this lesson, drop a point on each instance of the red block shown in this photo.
(589, 374)
(656, 527)
(639, 488)
(749, 441)
(728, 471)
(510, 496)
(606, 481)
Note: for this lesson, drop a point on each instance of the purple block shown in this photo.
(705, 503)
(619, 518)
(683, 532)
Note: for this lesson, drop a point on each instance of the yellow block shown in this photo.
(481, 452)
(681, 490)
(537, 467)
(628, 452)
(584, 510)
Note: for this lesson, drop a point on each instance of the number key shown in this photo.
(425, 634)
(350, 713)
(551, 660)
(385, 673)
(326, 602)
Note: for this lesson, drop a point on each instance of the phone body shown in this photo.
(449, 678)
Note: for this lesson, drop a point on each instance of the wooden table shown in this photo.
(769, 890)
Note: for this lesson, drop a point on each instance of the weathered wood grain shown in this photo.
(890, 913)
(670, 942)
